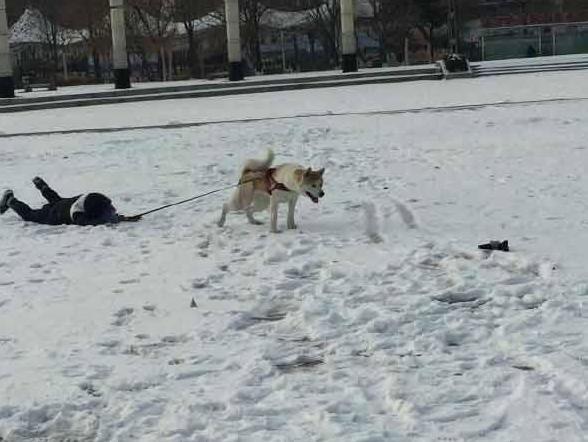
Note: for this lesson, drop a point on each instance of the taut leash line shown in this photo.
(194, 198)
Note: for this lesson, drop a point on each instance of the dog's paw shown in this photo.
(292, 226)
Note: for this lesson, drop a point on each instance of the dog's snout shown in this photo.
(321, 194)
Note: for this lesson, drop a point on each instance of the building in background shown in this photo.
(509, 29)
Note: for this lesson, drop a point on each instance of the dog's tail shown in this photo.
(259, 165)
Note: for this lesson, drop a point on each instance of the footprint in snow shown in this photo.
(123, 316)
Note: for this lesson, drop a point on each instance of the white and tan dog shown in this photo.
(264, 186)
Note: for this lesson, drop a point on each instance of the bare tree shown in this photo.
(91, 20)
(325, 19)
(154, 19)
(55, 35)
(252, 12)
(393, 22)
(188, 12)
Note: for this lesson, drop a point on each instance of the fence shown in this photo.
(531, 40)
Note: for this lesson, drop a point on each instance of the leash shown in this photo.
(194, 198)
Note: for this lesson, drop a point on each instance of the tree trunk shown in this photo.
(431, 43)
(258, 64)
(382, 48)
(97, 68)
(201, 61)
(296, 54)
(162, 63)
(192, 53)
(312, 49)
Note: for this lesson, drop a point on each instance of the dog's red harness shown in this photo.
(271, 182)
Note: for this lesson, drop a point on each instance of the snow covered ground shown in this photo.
(377, 320)
(418, 95)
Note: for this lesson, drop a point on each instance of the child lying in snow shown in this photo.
(91, 209)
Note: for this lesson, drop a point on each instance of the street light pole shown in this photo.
(119, 45)
(6, 81)
(234, 40)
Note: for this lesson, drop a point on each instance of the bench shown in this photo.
(29, 85)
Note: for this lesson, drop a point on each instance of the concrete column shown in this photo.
(348, 42)
(119, 45)
(234, 40)
(6, 82)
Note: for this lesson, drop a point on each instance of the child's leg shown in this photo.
(26, 213)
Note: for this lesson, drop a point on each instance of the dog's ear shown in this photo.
(321, 171)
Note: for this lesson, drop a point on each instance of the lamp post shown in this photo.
(348, 42)
(6, 81)
(119, 45)
(234, 40)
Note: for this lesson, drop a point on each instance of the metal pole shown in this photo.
(348, 42)
(64, 62)
(119, 45)
(483, 48)
(553, 41)
(234, 40)
(6, 81)
(540, 52)
(283, 51)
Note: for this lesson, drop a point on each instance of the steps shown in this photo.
(517, 66)
(222, 88)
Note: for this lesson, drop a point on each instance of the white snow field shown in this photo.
(377, 320)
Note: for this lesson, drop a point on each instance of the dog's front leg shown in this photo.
(274, 213)
(291, 210)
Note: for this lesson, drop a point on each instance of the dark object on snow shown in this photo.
(4, 202)
(91, 209)
(456, 63)
(302, 361)
(193, 304)
(495, 245)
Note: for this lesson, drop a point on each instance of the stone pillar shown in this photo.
(234, 40)
(348, 42)
(119, 45)
(6, 82)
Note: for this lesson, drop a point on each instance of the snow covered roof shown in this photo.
(288, 19)
(364, 9)
(209, 21)
(284, 19)
(29, 29)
